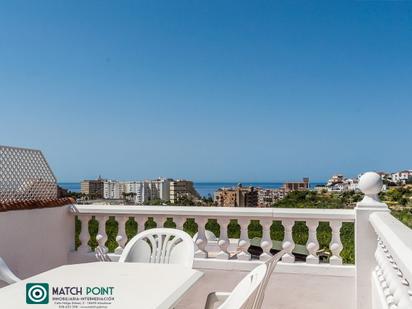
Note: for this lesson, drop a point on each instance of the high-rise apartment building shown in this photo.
(93, 188)
(140, 189)
(182, 188)
(147, 190)
(112, 189)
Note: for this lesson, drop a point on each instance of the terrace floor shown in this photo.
(285, 291)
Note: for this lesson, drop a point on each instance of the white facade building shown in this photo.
(146, 190)
(112, 189)
(139, 188)
(339, 183)
(160, 189)
(402, 176)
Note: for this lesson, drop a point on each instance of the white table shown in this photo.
(136, 285)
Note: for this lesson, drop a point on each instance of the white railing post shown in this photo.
(101, 236)
(335, 244)
(160, 221)
(223, 241)
(312, 244)
(84, 234)
(121, 237)
(365, 237)
(244, 241)
(266, 243)
(288, 244)
(180, 221)
(201, 240)
(141, 220)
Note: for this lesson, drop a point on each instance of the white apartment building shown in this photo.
(160, 189)
(146, 190)
(339, 183)
(402, 176)
(139, 188)
(112, 189)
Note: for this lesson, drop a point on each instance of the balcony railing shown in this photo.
(244, 216)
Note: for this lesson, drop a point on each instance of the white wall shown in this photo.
(35, 240)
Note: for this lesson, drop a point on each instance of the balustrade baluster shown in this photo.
(101, 236)
(288, 244)
(141, 220)
(201, 240)
(160, 221)
(223, 241)
(312, 244)
(266, 243)
(336, 244)
(121, 237)
(244, 241)
(84, 233)
(180, 221)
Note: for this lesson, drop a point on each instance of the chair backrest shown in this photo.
(271, 264)
(101, 254)
(244, 293)
(6, 274)
(160, 245)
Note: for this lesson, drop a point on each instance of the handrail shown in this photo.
(397, 238)
(345, 215)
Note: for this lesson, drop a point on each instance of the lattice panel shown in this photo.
(25, 176)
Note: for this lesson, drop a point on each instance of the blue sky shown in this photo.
(208, 90)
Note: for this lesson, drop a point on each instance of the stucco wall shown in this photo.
(32, 241)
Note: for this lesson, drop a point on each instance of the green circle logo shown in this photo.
(37, 293)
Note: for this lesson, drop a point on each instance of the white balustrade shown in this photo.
(223, 241)
(223, 215)
(336, 244)
(288, 244)
(312, 244)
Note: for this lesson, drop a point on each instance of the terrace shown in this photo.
(36, 236)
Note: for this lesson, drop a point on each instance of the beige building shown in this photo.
(225, 197)
(182, 188)
(93, 188)
(296, 186)
(268, 197)
(236, 197)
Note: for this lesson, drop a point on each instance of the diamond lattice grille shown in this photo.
(25, 176)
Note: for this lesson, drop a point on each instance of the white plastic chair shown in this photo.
(270, 267)
(210, 236)
(101, 254)
(6, 274)
(160, 245)
(243, 295)
(101, 251)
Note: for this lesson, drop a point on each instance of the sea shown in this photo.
(205, 189)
